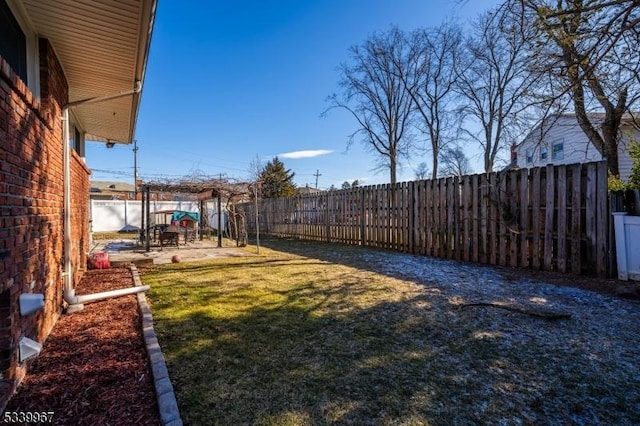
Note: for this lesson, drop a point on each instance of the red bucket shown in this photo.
(100, 260)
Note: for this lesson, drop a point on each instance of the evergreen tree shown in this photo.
(277, 181)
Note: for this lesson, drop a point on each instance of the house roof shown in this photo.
(103, 48)
(307, 190)
(112, 186)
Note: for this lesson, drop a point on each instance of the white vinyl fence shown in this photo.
(126, 215)
(627, 230)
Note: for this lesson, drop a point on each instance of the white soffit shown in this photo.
(103, 47)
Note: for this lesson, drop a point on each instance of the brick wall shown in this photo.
(80, 188)
(31, 209)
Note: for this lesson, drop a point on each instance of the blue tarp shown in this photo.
(178, 216)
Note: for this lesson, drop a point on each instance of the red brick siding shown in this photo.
(31, 209)
(80, 188)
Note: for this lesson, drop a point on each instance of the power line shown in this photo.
(112, 172)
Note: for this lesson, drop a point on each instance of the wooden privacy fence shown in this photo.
(552, 218)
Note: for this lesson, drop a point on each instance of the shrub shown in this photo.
(617, 184)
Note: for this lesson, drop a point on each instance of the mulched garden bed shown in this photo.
(94, 369)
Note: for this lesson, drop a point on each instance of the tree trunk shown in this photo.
(434, 172)
(488, 162)
(392, 170)
(610, 143)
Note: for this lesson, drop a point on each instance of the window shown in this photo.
(544, 153)
(76, 140)
(558, 151)
(529, 156)
(19, 44)
(13, 43)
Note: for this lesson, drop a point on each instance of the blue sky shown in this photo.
(228, 82)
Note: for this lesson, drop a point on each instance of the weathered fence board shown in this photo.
(515, 205)
(576, 222)
(551, 218)
(504, 207)
(548, 219)
(525, 224)
(475, 217)
(562, 218)
(535, 218)
(602, 239)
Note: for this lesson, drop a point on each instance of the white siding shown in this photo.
(557, 130)
(629, 135)
(577, 148)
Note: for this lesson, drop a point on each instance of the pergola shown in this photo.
(206, 189)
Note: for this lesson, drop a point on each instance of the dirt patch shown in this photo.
(94, 368)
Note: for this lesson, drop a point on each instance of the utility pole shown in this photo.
(317, 175)
(135, 169)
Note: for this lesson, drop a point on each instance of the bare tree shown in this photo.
(429, 73)
(454, 162)
(495, 81)
(254, 169)
(588, 50)
(376, 97)
(422, 171)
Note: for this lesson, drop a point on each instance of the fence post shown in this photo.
(411, 193)
(362, 217)
(603, 219)
(549, 227)
(328, 224)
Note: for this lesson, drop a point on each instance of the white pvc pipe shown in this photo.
(69, 293)
(136, 89)
(68, 279)
(108, 294)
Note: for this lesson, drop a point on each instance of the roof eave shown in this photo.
(103, 48)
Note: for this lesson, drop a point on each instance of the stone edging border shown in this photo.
(167, 404)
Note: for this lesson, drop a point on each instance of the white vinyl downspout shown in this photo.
(69, 294)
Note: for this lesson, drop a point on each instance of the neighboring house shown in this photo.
(109, 190)
(558, 139)
(70, 72)
(307, 190)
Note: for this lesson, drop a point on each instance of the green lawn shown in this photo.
(309, 334)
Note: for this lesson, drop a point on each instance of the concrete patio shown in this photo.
(129, 251)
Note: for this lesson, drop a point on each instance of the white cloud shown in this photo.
(310, 153)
